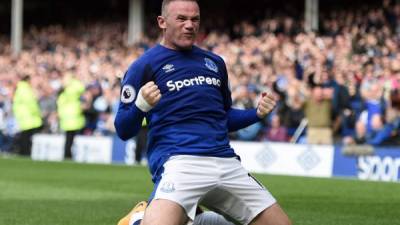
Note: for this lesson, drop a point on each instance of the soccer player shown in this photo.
(183, 92)
(135, 217)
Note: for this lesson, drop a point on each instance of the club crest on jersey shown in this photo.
(168, 68)
(211, 65)
(168, 187)
(128, 94)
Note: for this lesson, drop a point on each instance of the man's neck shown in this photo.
(172, 46)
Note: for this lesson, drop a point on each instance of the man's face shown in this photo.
(317, 93)
(180, 23)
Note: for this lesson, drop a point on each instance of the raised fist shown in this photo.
(266, 104)
(149, 95)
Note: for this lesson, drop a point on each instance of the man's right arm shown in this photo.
(135, 104)
(126, 121)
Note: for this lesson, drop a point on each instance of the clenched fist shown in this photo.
(266, 104)
(149, 95)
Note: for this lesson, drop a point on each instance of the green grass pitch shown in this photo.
(67, 193)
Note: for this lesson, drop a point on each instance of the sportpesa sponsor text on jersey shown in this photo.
(194, 114)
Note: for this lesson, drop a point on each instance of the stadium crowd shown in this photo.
(342, 81)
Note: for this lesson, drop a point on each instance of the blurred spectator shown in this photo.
(380, 133)
(340, 103)
(8, 127)
(27, 113)
(70, 112)
(391, 130)
(244, 99)
(48, 106)
(277, 132)
(291, 106)
(93, 104)
(318, 108)
(5, 139)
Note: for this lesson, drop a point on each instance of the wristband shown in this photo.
(141, 103)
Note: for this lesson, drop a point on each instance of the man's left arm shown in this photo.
(241, 118)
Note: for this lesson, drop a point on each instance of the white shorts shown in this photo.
(220, 184)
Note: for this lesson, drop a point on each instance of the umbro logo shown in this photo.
(168, 68)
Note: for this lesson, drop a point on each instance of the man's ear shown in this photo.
(161, 22)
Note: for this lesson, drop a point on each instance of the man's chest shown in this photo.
(177, 74)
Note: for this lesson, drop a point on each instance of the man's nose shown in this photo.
(189, 25)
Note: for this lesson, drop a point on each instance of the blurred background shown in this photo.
(333, 64)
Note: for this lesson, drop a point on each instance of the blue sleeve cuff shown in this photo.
(128, 121)
(239, 119)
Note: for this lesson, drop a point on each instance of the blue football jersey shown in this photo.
(193, 116)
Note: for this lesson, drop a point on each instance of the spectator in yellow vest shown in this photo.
(70, 111)
(27, 114)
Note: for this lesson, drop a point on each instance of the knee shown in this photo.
(284, 220)
(164, 212)
(272, 216)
